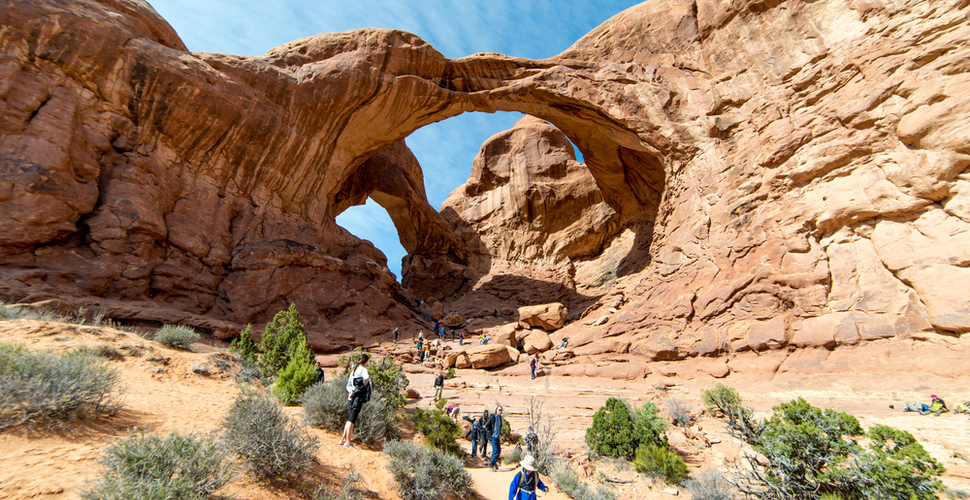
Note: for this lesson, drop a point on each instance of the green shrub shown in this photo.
(618, 432)
(325, 405)
(658, 461)
(153, 466)
(245, 346)
(177, 336)
(440, 431)
(298, 375)
(450, 374)
(283, 336)
(568, 482)
(514, 457)
(724, 401)
(44, 387)
(270, 443)
(806, 454)
(424, 473)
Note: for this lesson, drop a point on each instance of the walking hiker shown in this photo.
(321, 374)
(524, 483)
(395, 335)
(420, 346)
(482, 434)
(452, 334)
(439, 383)
(494, 432)
(563, 344)
(461, 338)
(532, 365)
(358, 392)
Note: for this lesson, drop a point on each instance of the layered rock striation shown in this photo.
(757, 175)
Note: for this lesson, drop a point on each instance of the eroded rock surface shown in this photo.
(757, 175)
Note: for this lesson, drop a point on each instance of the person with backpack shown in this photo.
(493, 430)
(358, 392)
(420, 346)
(532, 365)
(473, 433)
(525, 483)
(461, 338)
(439, 383)
(395, 335)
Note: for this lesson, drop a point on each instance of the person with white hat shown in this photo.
(526, 481)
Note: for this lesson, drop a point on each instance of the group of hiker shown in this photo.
(936, 406)
(486, 429)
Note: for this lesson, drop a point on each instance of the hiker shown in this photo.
(420, 346)
(358, 393)
(936, 406)
(524, 483)
(493, 430)
(962, 407)
(473, 432)
(321, 374)
(461, 338)
(563, 344)
(452, 334)
(441, 334)
(395, 335)
(532, 365)
(439, 383)
(453, 411)
(427, 353)
(482, 437)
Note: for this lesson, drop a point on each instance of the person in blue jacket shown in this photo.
(493, 430)
(527, 481)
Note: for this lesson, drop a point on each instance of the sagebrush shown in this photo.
(271, 444)
(178, 336)
(568, 482)
(440, 431)
(53, 389)
(709, 485)
(161, 467)
(657, 460)
(424, 473)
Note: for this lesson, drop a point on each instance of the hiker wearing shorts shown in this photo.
(358, 392)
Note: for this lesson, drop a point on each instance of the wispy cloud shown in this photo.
(534, 29)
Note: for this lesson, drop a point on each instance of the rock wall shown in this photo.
(771, 174)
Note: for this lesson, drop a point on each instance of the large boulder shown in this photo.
(546, 316)
(488, 356)
(537, 341)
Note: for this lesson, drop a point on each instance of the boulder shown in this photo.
(454, 319)
(537, 341)
(488, 356)
(546, 316)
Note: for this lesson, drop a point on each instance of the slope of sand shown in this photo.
(164, 390)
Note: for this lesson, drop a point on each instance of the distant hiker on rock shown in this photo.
(452, 334)
(532, 365)
(358, 392)
(936, 406)
(427, 353)
(563, 344)
(493, 429)
(394, 333)
(461, 338)
(439, 383)
(420, 346)
(525, 483)
(321, 374)
(453, 411)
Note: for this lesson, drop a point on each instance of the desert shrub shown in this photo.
(568, 482)
(270, 443)
(514, 457)
(423, 473)
(450, 374)
(658, 460)
(679, 412)
(540, 436)
(347, 490)
(440, 431)
(154, 466)
(388, 380)
(44, 387)
(298, 375)
(723, 401)
(283, 336)
(177, 336)
(709, 485)
(245, 346)
(618, 431)
(807, 452)
(325, 405)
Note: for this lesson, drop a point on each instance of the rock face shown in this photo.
(757, 175)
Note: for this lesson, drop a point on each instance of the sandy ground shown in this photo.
(162, 392)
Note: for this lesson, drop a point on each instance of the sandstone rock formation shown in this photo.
(546, 316)
(761, 175)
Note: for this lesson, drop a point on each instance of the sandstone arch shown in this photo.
(813, 190)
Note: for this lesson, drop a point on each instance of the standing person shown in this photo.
(461, 338)
(452, 334)
(473, 433)
(441, 333)
(420, 346)
(532, 365)
(524, 483)
(482, 437)
(395, 335)
(439, 383)
(321, 374)
(358, 392)
(494, 429)
(427, 353)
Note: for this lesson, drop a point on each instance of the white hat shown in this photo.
(528, 463)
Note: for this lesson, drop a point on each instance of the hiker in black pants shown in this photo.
(482, 438)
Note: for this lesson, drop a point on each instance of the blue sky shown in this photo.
(523, 28)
